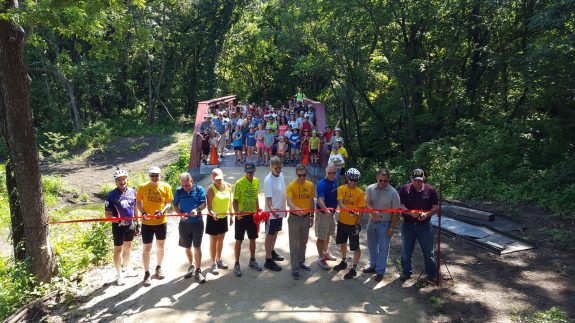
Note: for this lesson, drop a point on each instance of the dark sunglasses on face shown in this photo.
(154, 175)
(383, 181)
(331, 173)
(301, 175)
(353, 180)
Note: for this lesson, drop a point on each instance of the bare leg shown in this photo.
(160, 251)
(146, 251)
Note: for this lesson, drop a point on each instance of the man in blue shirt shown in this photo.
(295, 140)
(191, 199)
(120, 203)
(222, 127)
(325, 222)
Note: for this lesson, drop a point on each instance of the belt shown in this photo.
(299, 216)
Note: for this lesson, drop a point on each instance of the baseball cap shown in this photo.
(418, 174)
(249, 167)
(217, 174)
(154, 170)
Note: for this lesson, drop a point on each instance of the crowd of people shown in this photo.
(330, 208)
(256, 133)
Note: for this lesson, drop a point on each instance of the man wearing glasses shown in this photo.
(325, 223)
(417, 195)
(152, 200)
(380, 226)
(299, 195)
(349, 197)
(275, 193)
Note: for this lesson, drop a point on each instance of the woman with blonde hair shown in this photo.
(219, 200)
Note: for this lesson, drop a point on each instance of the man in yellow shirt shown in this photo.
(299, 194)
(349, 196)
(152, 200)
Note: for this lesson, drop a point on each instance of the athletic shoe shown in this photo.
(254, 264)
(404, 276)
(237, 270)
(368, 270)
(341, 266)
(378, 277)
(159, 274)
(221, 264)
(214, 269)
(276, 257)
(350, 274)
(295, 275)
(147, 280)
(271, 265)
(304, 267)
(129, 273)
(199, 277)
(190, 272)
(327, 256)
(323, 264)
(120, 279)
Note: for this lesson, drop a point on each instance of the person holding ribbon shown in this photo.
(120, 203)
(299, 194)
(325, 223)
(219, 200)
(152, 200)
(190, 200)
(275, 193)
(245, 205)
(380, 196)
(416, 226)
(349, 198)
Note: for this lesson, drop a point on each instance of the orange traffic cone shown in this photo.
(214, 156)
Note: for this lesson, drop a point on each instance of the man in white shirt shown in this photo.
(275, 193)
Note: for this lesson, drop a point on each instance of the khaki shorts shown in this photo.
(324, 225)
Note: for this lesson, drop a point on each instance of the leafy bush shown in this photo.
(554, 314)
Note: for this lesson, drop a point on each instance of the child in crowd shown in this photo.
(205, 145)
(295, 141)
(282, 147)
(268, 144)
(251, 142)
(214, 140)
(314, 144)
(260, 142)
(238, 141)
(305, 148)
(287, 136)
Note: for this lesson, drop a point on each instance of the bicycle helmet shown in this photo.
(120, 173)
(353, 174)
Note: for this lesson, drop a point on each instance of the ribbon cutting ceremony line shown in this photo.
(117, 219)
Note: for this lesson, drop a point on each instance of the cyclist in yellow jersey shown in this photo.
(152, 200)
(349, 196)
(219, 206)
(299, 194)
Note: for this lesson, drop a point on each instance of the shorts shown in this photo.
(260, 144)
(246, 223)
(273, 226)
(268, 149)
(214, 227)
(345, 232)
(324, 225)
(237, 147)
(148, 232)
(121, 234)
(206, 151)
(314, 152)
(191, 233)
(295, 151)
(251, 145)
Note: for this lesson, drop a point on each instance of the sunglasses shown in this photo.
(353, 180)
(154, 175)
(331, 173)
(383, 181)
(301, 175)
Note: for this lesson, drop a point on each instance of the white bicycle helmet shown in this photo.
(353, 174)
(120, 173)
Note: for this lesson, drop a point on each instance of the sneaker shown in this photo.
(190, 272)
(327, 256)
(271, 265)
(129, 273)
(147, 279)
(304, 267)
(341, 266)
(404, 276)
(199, 277)
(159, 274)
(237, 270)
(350, 274)
(254, 264)
(214, 269)
(120, 279)
(221, 264)
(323, 264)
(368, 270)
(295, 275)
(276, 257)
(378, 277)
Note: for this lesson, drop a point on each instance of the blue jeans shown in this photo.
(410, 232)
(378, 245)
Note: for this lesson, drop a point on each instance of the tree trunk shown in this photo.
(21, 144)
(151, 107)
(70, 91)
(16, 216)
